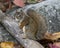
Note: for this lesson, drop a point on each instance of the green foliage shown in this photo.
(32, 1)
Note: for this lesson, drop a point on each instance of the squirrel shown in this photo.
(34, 23)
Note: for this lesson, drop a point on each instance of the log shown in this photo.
(5, 36)
(13, 28)
(46, 16)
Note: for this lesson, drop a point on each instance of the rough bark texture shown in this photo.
(4, 35)
(51, 11)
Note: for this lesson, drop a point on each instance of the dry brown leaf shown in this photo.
(10, 45)
(7, 44)
(53, 36)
